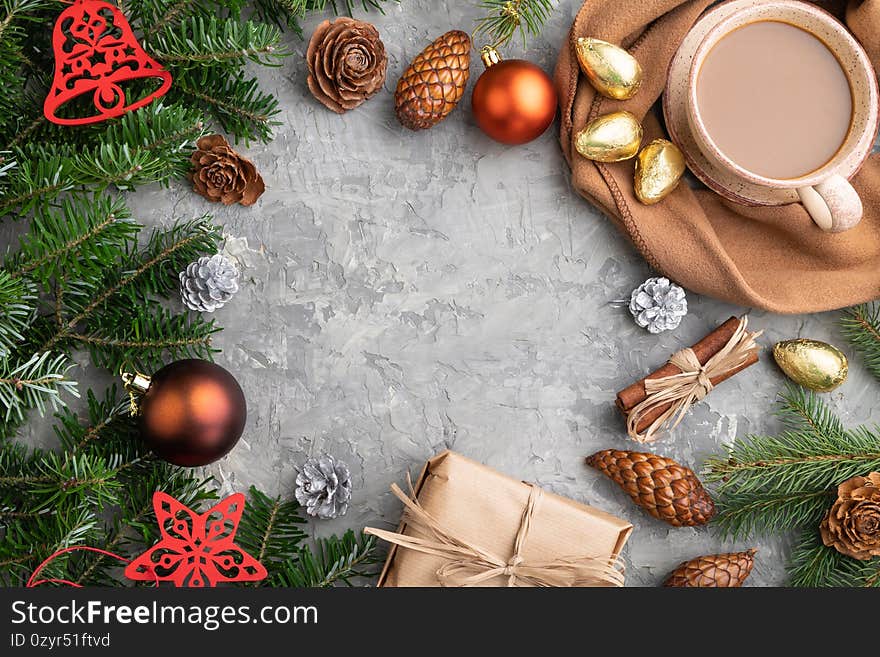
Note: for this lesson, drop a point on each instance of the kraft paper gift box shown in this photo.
(470, 520)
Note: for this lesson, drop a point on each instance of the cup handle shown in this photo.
(833, 204)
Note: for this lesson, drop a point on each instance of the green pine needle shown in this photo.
(861, 326)
(504, 18)
(773, 484)
(345, 560)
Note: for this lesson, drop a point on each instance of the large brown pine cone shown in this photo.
(665, 489)
(432, 85)
(714, 570)
(347, 63)
(852, 525)
(221, 174)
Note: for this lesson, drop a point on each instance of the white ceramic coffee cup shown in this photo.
(828, 197)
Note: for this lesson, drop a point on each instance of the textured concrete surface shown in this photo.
(406, 293)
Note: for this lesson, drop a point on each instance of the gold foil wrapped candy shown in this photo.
(811, 363)
(610, 138)
(611, 70)
(659, 167)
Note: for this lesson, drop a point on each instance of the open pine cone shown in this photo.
(347, 63)
(221, 174)
(852, 525)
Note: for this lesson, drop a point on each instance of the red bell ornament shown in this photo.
(95, 52)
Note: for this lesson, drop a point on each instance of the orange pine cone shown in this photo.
(714, 570)
(432, 85)
(665, 489)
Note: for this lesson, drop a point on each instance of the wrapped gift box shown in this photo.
(560, 541)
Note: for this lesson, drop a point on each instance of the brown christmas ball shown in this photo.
(514, 101)
(193, 413)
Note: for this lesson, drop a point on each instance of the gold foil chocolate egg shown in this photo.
(611, 70)
(659, 167)
(610, 137)
(811, 363)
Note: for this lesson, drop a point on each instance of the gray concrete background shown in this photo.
(406, 292)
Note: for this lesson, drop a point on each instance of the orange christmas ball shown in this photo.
(514, 101)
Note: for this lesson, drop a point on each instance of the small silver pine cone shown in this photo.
(658, 305)
(323, 487)
(208, 283)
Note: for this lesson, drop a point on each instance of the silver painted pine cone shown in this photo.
(208, 283)
(323, 487)
(658, 305)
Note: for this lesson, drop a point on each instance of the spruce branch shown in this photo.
(815, 565)
(815, 454)
(504, 18)
(861, 326)
(772, 484)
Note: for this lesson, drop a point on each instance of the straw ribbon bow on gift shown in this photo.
(680, 391)
(468, 565)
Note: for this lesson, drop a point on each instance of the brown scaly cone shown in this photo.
(665, 489)
(852, 525)
(347, 63)
(432, 85)
(221, 174)
(714, 570)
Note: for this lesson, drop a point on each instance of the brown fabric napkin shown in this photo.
(767, 257)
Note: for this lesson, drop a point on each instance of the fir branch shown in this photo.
(198, 41)
(287, 13)
(150, 273)
(235, 101)
(82, 239)
(332, 561)
(861, 326)
(138, 338)
(270, 530)
(178, 9)
(38, 381)
(505, 17)
(17, 308)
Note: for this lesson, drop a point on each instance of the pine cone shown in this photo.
(852, 525)
(432, 85)
(347, 63)
(658, 305)
(221, 174)
(208, 283)
(713, 570)
(323, 487)
(665, 489)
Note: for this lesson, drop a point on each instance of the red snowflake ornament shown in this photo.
(96, 50)
(196, 549)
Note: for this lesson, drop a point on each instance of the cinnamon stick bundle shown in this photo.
(710, 345)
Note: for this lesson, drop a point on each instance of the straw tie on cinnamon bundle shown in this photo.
(664, 397)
